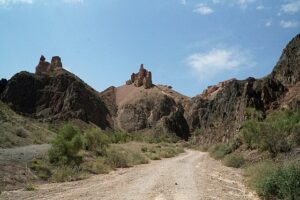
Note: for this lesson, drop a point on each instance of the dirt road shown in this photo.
(192, 175)
(23, 154)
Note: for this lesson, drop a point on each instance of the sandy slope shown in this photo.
(193, 175)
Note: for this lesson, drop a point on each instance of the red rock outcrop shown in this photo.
(142, 78)
(45, 67)
(211, 91)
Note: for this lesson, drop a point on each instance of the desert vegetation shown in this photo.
(278, 134)
(266, 149)
(17, 130)
(76, 154)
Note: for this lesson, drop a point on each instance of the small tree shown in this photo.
(65, 146)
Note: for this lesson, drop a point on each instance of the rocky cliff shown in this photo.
(53, 93)
(219, 112)
(151, 108)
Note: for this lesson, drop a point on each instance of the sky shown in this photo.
(188, 44)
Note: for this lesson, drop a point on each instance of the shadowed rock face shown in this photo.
(55, 96)
(220, 115)
(287, 69)
(158, 113)
(3, 83)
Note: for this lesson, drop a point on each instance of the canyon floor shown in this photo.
(191, 175)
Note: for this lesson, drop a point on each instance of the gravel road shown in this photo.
(23, 154)
(190, 176)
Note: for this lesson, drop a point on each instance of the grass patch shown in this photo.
(234, 160)
(17, 130)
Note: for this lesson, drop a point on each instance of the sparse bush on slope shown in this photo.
(277, 133)
(234, 160)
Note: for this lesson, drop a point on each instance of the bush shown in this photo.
(117, 159)
(120, 137)
(220, 150)
(67, 173)
(251, 133)
(95, 140)
(234, 160)
(66, 146)
(137, 159)
(276, 181)
(273, 134)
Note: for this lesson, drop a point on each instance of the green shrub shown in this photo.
(251, 133)
(234, 160)
(66, 146)
(120, 137)
(273, 134)
(117, 159)
(67, 173)
(220, 150)
(95, 140)
(276, 181)
(137, 159)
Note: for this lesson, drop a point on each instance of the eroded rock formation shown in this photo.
(142, 78)
(45, 67)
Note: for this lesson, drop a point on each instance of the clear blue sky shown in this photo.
(188, 44)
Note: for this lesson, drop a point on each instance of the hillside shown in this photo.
(54, 94)
(155, 109)
(17, 130)
(219, 112)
